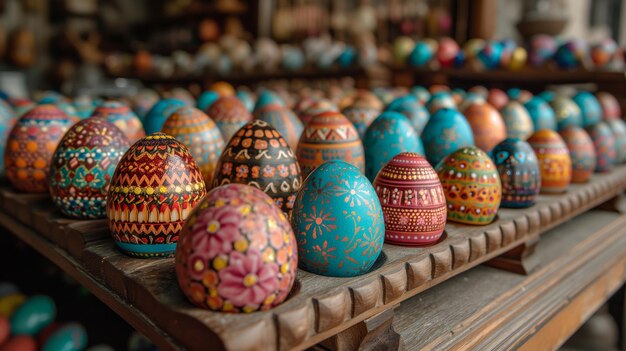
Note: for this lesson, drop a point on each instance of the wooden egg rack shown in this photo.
(338, 313)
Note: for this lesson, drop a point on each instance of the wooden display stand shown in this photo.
(336, 313)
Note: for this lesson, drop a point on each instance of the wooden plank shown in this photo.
(326, 306)
(81, 234)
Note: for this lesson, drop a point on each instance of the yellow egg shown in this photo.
(9, 303)
(518, 59)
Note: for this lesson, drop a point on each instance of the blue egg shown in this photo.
(590, 108)
(390, 134)
(547, 95)
(490, 55)
(541, 113)
(153, 121)
(267, 97)
(459, 59)
(347, 58)
(570, 54)
(519, 173)
(421, 55)
(293, 58)
(514, 93)
(3, 95)
(246, 98)
(422, 94)
(439, 100)
(338, 222)
(417, 114)
(446, 131)
(71, 337)
(206, 99)
(33, 315)
(50, 97)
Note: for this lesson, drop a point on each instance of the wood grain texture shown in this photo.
(323, 306)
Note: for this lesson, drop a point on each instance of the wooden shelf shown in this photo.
(194, 12)
(584, 263)
(321, 309)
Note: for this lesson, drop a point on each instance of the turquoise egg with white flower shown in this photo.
(338, 222)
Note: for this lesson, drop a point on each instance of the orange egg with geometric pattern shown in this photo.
(30, 147)
(554, 160)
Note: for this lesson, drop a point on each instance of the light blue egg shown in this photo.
(206, 99)
(590, 108)
(421, 55)
(417, 114)
(490, 55)
(347, 58)
(246, 98)
(71, 337)
(446, 131)
(440, 100)
(338, 222)
(33, 315)
(541, 113)
(293, 59)
(154, 119)
(390, 134)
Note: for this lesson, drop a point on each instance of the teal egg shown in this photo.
(421, 55)
(267, 97)
(153, 121)
(590, 109)
(446, 131)
(69, 109)
(439, 100)
(206, 99)
(247, 99)
(567, 112)
(338, 222)
(422, 94)
(547, 95)
(390, 134)
(417, 114)
(541, 113)
(33, 315)
(71, 337)
(347, 58)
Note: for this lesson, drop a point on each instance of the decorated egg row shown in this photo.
(481, 54)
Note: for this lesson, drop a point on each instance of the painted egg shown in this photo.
(390, 134)
(541, 114)
(554, 160)
(439, 101)
(329, 136)
(82, 166)
(469, 99)
(33, 315)
(237, 252)
(604, 143)
(71, 337)
(246, 98)
(153, 121)
(446, 131)
(479, 90)
(473, 46)
(437, 88)
(315, 109)
(471, 185)
(459, 59)
(402, 48)
(10, 302)
(360, 115)
(20, 343)
(421, 94)
(517, 121)
(581, 151)
(416, 113)
(518, 59)
(519, 173)
(446, 52)
(458, 95)
(603, 52)
(338, 222)
(497, 98)
(46, 332)
(571, 54)
(520, 95)
(123, 118)
(618, 127)
(421, 55)
(412, 199)
(229, 114)
(257, 155)
(542, 48)
(143, 101)
(547, 95)
(30, 146)
(567, 112)
(183, 95)
(508, 46)
(154, 188)
(200, 135)
(590, 109)
(610, 107)
(7, 121)
(489, 56)
(223, 88)
(51, 97)
(206, 99)
(69, 109)
(284, 121)
(487, 125)
(267, 97)
(347, 58)
(21, 105)
(5, 329)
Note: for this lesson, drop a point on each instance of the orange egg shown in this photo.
(20, 343)
(487, 125)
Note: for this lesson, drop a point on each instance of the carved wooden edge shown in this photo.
(360, 298)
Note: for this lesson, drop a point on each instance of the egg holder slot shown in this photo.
(340, 313)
